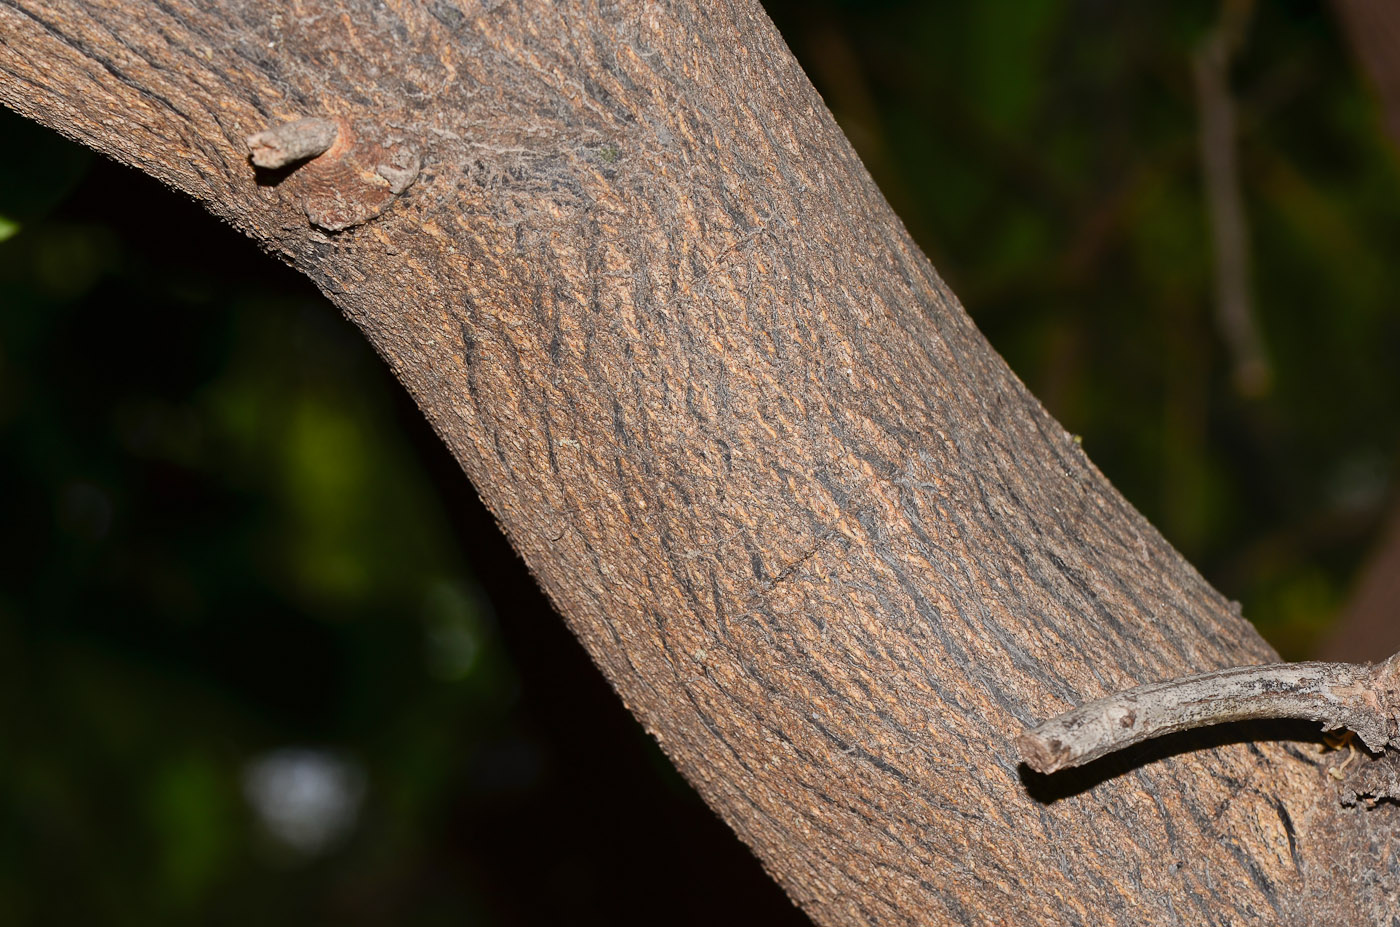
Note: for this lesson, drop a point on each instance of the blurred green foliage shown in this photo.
(223, 534)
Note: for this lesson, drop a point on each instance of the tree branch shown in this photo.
(800, 513)
(1360, 697)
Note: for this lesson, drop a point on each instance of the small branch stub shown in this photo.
(1360, 697)
(360, 176)
(291, 142)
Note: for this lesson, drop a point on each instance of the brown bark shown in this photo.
(820, 539)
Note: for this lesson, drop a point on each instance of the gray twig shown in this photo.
(291, 142)
(1362, 697)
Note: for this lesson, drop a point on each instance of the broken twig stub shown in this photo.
(1360, 697)
(291, 142)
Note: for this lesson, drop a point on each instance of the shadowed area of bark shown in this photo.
(820, 539)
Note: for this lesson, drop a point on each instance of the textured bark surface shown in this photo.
(822, 542)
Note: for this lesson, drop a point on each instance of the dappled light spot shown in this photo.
(307, 800)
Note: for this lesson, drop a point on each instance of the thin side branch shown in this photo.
(1364, 698)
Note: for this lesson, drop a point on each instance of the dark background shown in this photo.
(226, 534)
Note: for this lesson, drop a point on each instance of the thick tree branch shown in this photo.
(820, 539)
